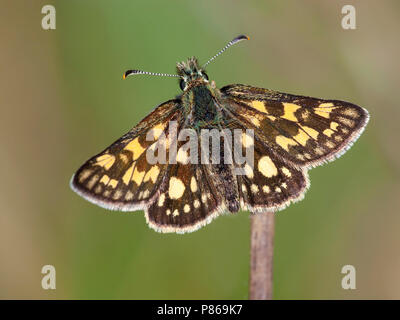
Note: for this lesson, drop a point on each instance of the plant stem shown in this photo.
(261, 255)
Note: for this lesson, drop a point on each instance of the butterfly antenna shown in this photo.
(132, 72)
(230, 43)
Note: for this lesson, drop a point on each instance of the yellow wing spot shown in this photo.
(117, 194)
(328, 132)
(247, 141)
(255, 121)
(244, 189)
(152, 174)
(161, 200)
(84, 174)
(324, 109)
(203, 198)
(325, 114)
(248, 171)
(330, 144)
(176, 188)
(258, 105)
(106, 193)
(92, 181)
(325, 105)
(277, 189)
(285, 142)
(304, 135)
(254, 188)
(113, 183)
(168, 212)
(146, 194)
(286, 172)
(305, 114)
(129, 196)
(334, 125)
(267, 167)
(128, 174)
(345, 130)
(193, 184)
(272, 118)
(350, 113)
(175, 213)
(135, 147)
(98, 188)
(137, 176)
(140, 196)
(311, 132)
(124, 158)
(300, 157)
(266, 189)
(186, 208)
(106, 161)
(289, 110)
(338, 138)
(284, 185)
(319, 151)
(196, 203)
(157, 130)
(347, 122)
(182, 156)
(104, 179)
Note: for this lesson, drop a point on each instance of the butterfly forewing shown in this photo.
(302, 130)
(120, 177)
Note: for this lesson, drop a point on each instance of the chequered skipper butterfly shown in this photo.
(291, 135)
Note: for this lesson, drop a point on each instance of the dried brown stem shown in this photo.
(261, 256)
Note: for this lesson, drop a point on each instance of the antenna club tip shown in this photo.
(241, 37)
(128, 73)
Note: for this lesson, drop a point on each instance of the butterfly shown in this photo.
(287, 134)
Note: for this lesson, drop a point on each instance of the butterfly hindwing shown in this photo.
(187, 200)
(120, 177)
(302, 130)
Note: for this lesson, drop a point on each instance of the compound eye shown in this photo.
(182, 84)
(205, 75)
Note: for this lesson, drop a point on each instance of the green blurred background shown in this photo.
(63, 100)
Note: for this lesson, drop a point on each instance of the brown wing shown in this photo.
(120, 177)
(265, 181)
(302, 130)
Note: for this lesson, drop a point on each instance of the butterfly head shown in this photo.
(190, 73)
